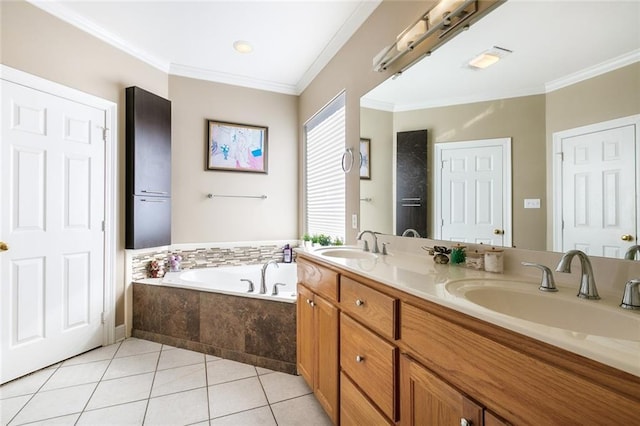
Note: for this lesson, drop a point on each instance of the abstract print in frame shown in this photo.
(236, 147)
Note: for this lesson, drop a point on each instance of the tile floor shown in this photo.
(137, 382)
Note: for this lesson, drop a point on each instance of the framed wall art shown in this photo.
(365, 158)
(236, 147)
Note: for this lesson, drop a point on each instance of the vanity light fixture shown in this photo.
(242, 46)
(437, 22)
(488, 57)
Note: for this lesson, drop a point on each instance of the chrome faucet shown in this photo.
(410, 232)
(588, 288)
(263, 281)
(366, 244)
(631, 253)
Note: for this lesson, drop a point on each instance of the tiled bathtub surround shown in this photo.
(207, 257)
(254, 331)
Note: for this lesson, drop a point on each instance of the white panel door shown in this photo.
(599, 191)
(52, 190)
(472, 197)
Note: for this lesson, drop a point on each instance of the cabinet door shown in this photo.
(148, 128)
(427, 400)
(305, 335)
(148, 222)
(326, 371)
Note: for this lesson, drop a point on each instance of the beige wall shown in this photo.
(377, 214)
(196, 218)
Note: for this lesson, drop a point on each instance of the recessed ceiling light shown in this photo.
(488, 57)
(242, 46)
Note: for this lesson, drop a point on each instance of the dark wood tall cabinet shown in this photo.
(148, 169)
(411, 182)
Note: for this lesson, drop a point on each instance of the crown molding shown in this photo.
(379, 105)
(594, 71)
(61, 12)
(232, 79)
(351, 25)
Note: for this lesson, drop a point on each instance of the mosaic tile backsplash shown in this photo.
(207, 258)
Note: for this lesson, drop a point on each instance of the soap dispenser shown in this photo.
(287, 253)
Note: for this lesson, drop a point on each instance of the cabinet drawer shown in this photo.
(355, 408)
(372, 308)
(371, 362)
(318, 279)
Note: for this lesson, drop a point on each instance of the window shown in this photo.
(325, 179)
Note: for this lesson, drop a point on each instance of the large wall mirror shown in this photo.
(567, 69)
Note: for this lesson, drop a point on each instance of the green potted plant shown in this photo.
(324, 240)
(306, 240)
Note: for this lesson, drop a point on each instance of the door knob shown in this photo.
(626, 237)
(498, 231)
(3, 246)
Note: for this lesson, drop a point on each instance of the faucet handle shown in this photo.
(365, 247)
(547, 282)
(251, 286)
(384, 249)
(274, 290)
(631, 296)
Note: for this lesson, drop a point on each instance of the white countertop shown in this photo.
(420, 276)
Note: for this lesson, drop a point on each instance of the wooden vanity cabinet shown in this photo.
(405, 360)
(317, 334)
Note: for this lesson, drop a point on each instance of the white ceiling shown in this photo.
(554, 43)
(292, 40)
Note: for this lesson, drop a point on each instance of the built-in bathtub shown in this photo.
(211, 311)
(229, 280)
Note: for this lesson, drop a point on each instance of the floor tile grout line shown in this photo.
(146, 409)
(206, 383)
(98, 384)
(273, 415)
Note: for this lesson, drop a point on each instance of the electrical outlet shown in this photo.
(354, 221)
(531, 203)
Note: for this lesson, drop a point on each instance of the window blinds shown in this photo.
(325, 179)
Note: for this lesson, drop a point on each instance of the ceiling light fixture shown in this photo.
(488, 57)
(437, 21)
(242, 46)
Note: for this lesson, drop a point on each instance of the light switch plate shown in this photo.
(532, 203)
(354, 221)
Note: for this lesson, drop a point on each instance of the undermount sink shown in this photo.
(345, 252)
(560, 310)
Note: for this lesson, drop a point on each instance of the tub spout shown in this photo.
(263, 281)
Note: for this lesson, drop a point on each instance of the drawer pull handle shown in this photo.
(359, 302)
(359, 358)
(465, 422)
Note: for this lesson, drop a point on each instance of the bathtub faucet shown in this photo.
(263, 281)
